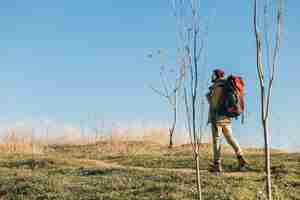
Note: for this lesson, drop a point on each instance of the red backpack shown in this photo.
(233, 104)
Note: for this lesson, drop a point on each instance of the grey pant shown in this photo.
(217, 130)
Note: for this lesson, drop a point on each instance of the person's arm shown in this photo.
(216, 102)
(209, 94)
(216, 97)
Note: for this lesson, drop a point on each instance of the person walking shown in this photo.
(220, 123)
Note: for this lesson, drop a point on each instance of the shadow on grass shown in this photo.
(99, 172)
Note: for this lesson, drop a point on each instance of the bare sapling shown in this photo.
(192, 35)
(270, 14)
(171, 80)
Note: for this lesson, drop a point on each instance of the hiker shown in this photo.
(221, 123)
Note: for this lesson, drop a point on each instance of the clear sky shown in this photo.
(62, 60)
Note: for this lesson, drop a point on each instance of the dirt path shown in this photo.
(109, 165)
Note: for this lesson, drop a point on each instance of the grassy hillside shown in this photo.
(135, 170)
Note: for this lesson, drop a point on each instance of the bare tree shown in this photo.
(192, 35)
(171, 81)
(267, 55)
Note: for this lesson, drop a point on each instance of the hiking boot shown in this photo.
(242, 163)
(216, 168)
(243, 168)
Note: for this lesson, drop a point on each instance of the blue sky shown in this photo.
(62, 60)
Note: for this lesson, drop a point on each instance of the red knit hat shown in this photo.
(219, 73)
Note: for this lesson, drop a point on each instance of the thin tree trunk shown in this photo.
(197, 159)
(170, 141)
(264, 120)
(171, 133)
(194, 100)
(264, 105)
(267, 159)
(172, 129)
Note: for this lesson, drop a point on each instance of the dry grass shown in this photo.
(14, 143)
(128, 147)
(130, 142)
(122, 141)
